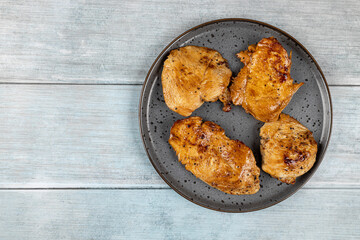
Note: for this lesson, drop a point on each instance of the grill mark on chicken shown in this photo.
(207, 67)
(301, 156)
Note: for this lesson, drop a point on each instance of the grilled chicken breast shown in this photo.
(194, 75)
(288, 149)
(264, 86)
(225, 164)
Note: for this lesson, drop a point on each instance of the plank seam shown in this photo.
(155, 188)
(76, 84)
(124, 84)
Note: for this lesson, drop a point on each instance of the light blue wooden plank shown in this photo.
(163, 214)
(88, 136)
(71, 136)
(117, 41)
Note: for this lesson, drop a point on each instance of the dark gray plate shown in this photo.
(311, 105)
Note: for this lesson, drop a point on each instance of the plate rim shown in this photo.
(235, 20)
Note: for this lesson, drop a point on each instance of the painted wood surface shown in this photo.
(117, 41)
(69, 89)
(88, 136)
(163, 214)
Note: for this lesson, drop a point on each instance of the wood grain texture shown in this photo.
(117, 41)
(163, 214)
(78, 136)
(87, 136)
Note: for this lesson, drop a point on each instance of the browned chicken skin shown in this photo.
(264, 86)
(194, 75)
(225, 164)
(288, 149)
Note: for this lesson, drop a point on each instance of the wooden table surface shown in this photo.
(72, 161)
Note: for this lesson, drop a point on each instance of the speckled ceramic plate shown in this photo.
(311, 105)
